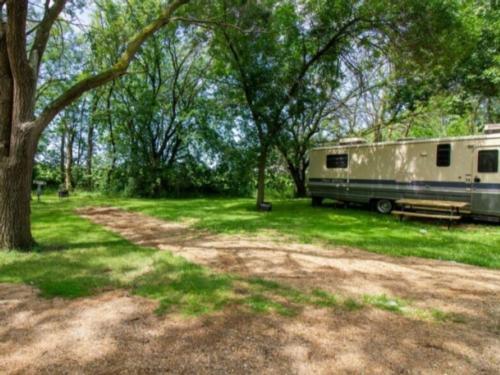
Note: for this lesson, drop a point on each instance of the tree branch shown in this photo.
(43, 33)
(320, 53)
(5, 95)
(207, 23)
(245, 85)
(17, 13)
(118, 69)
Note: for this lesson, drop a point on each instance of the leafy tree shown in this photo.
(315, 116)
(276, 48)
(22, 48)
(158, 106)
(459, 85)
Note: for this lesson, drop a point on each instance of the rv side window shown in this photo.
(337, 161)
(487, 161)
(443, 155)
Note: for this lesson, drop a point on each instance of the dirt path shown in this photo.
(118, 333)
(463, 289)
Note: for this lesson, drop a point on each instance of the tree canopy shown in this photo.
(156, 97)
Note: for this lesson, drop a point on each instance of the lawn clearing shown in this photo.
(146, 294)
(358, 228)
(476, 244)
(294, 275)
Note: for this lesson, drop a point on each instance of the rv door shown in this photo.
(337, 164)
(486, 181)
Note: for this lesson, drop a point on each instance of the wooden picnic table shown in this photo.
(433, 203)
(448, 210)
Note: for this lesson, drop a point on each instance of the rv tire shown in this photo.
(384, 206)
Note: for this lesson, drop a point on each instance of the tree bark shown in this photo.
(298, 173)
(15, 194)
(18, 145)
(301, 191)
(6, 95)
(62, 150)
(261, 175)
(90, 142)
(299, 180)
(90, 155)
(68, 165)
(111, 137)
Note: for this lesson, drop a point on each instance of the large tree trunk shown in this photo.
(6, 96)
(261, 176)
(17, 87)
(15, 197)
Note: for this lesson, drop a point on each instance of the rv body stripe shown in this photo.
(447, 184)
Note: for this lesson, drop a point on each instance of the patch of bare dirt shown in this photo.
(118, 333)
(455, 287)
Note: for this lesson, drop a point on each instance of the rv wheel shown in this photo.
(316, 201)
(384, 206)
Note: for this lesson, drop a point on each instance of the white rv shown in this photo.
(463, 169)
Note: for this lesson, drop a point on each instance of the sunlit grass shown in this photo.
(75, 258)
(472, 244)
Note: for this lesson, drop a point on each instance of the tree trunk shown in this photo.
(300, 184)
(261, 177)
(90, 155)
(378, 132)
(62, 150)
(111, 136)
(6, 96)
(301, 190)
(68, 165)
(15, 194)
(90, 140)
(298, 174)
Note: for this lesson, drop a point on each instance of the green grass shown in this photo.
(76, 258)
(351, 304)
(472, 244)
(386, 303)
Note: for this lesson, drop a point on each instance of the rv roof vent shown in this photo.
(406, 139)
(351, 141)
(491, 128)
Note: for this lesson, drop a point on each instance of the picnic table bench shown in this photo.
(432, 209)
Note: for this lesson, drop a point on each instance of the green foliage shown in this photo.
(47, 173)
(460, 89)
(203, 99)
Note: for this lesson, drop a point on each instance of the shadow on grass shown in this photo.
(93, 259)
(477, 245)
(77, 258)
(337, 226)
